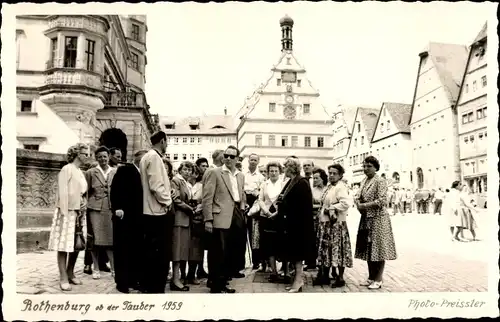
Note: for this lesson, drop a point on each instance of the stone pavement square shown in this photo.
(428, 261)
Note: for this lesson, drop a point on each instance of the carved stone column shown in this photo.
(80, 53)
(78, 111)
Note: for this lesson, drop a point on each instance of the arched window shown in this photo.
(395, 177)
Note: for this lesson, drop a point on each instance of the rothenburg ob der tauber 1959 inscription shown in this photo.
(46, 306)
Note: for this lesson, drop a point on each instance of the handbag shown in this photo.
(79, 239)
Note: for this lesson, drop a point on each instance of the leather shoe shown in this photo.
(87, 270)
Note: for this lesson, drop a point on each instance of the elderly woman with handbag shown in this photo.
(68, 224)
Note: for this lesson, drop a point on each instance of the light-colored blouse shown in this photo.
(269, 192)
(337, 201)
(72, 185)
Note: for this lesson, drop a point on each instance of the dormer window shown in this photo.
(194, 126)
(170, 126)
(218, 127)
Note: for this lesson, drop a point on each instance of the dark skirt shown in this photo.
(271, 237)
(181, 241)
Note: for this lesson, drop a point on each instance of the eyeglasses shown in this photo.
(229, 156)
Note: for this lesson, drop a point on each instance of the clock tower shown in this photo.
(284, 115)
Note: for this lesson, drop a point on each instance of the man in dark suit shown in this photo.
(223, 207)
(127, 205)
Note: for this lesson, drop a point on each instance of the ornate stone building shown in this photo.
(284, 116)
(80, 78)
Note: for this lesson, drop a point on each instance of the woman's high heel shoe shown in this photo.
(296, 290)
(375, 285)
(176, 288)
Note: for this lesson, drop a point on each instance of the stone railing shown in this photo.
(75, 77)
(36, 189)
(124, 100)
(81, 22)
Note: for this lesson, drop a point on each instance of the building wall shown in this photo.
(340, 139)
(394, 155)
(472, 123)
(196, 146)
(359, 148)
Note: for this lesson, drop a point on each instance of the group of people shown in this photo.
(145, 217)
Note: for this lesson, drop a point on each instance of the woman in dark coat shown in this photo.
(295, 205)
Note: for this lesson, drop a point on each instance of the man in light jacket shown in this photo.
(157, 201)
(223, 207)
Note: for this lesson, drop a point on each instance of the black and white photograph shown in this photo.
(173, 151)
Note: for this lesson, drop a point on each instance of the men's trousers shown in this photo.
(223, 245)
(127, 245)
(438, 203)
(157, 242)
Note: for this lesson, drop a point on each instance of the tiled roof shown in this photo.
(369, 116)
(208, 124)
(482, 34)
(400, 114)
(449, 60)
(349, 115)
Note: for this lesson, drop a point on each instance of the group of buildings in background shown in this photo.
(82, 78)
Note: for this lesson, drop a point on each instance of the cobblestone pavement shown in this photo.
(428, 261)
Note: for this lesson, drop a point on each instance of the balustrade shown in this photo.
(74, 77)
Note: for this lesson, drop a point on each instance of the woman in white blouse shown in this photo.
(334, 249)
(270, 242)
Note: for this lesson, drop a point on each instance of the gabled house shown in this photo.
(433, 119)
(360, 143)
(343, 119)
(472, 118)
(391, 143)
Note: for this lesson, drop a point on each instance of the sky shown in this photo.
(205, 57)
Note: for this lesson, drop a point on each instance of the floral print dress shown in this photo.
(375, 240)
(334, 242)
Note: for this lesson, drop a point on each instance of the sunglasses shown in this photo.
(229, 156)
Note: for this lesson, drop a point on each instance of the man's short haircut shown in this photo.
(157, 137)
(201, 160)
(113, 150)
(234, 148)
(101, 149)
(217, 153)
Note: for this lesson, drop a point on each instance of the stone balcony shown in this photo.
(76, 77)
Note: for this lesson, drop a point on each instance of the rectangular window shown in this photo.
(483, 81)
(184, 156)
(53, 53)
(388, 125)
(184, 140)
(479, 114)
(135, 32)
(362, 140)
(167, 155)
(26, 106)
(359, 127)
(198, 156)
(272, 107)
(466, 88)
(484, 112)
(258, 140)
(135, 61)
(466, 139)
(89, 54)
(176, 157)
(350, 161)
(199, 140)
(176, 140)
(474, 86)
(70, 52)
(284, 141)
(307, 108)
(272, 140)
(321, 142)
(34, 147)
(191, 156)
(355, 142)
(278, 82)
(307, 141)
(299, 83)
(295, 141)
(381, 127)
(191, 140)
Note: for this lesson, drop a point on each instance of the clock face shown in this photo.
(289, 99)
(289, 112)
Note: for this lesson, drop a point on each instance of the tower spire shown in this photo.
(286, 24)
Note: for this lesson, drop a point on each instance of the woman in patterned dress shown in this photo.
(375, 240)
(69, 214)
(320, 180)
(334, 242)
(100, 215)
(468, 212)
